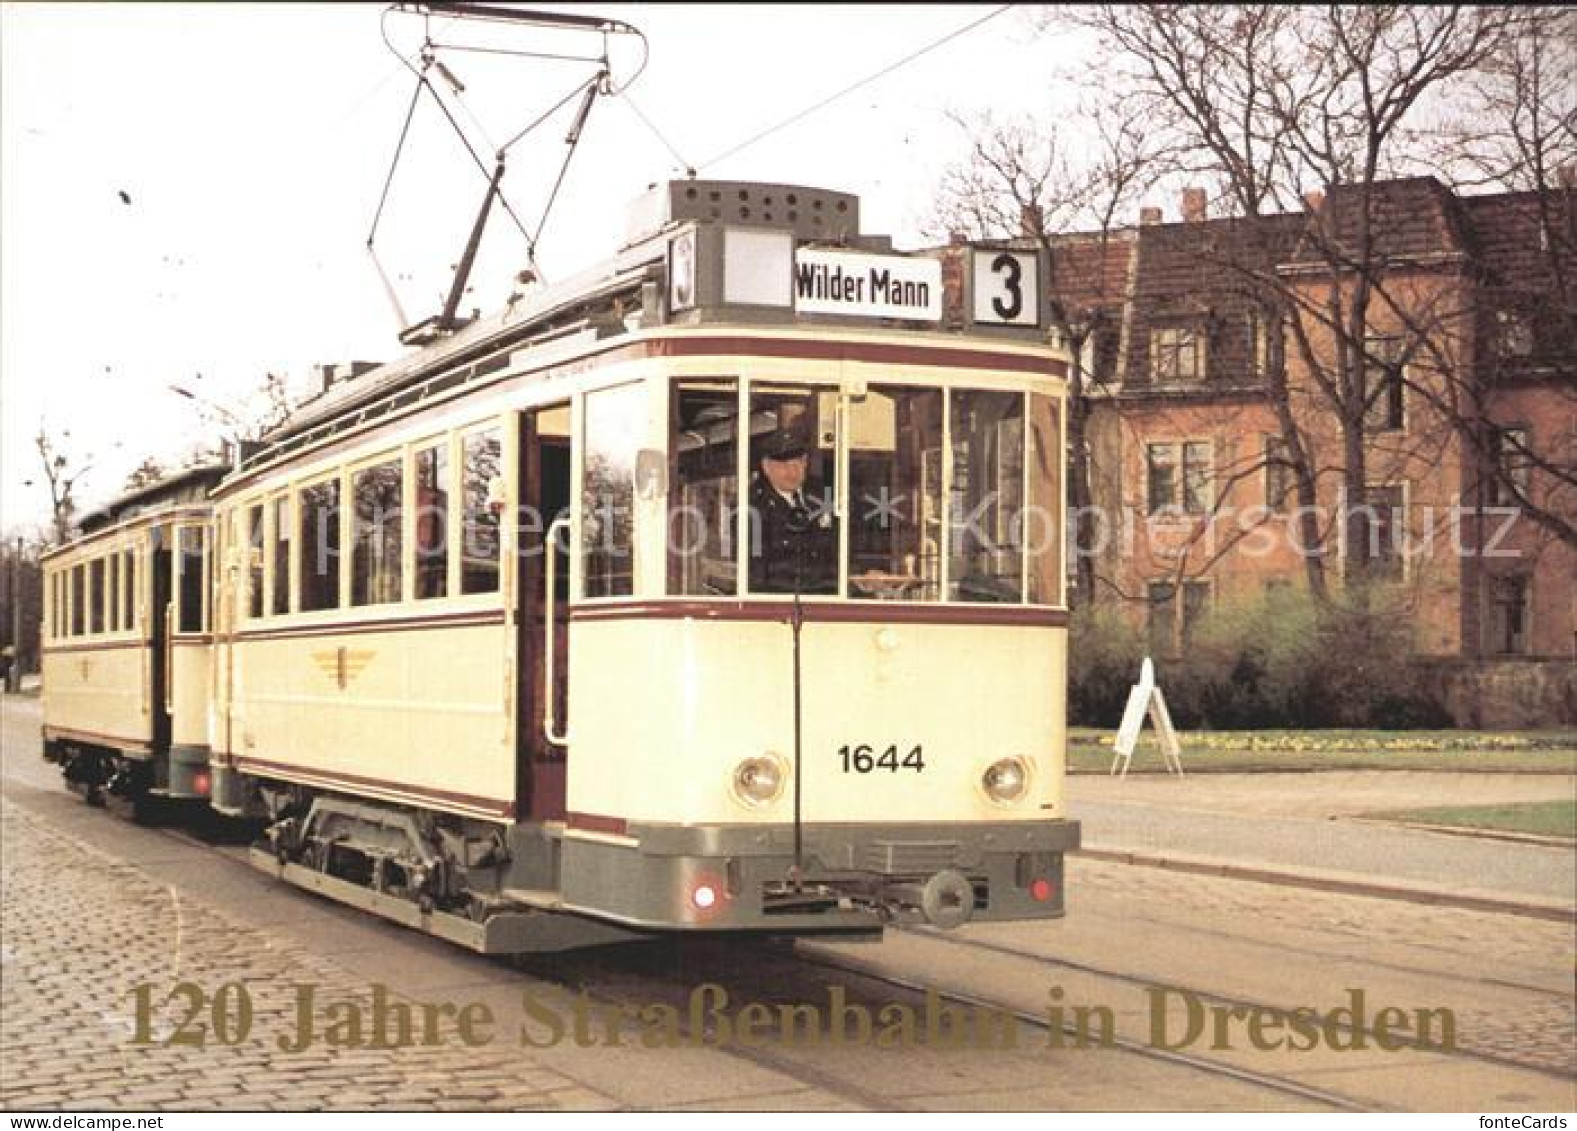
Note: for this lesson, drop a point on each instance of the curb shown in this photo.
(1467, 831)
(1345, 883)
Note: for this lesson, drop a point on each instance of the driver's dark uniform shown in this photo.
(787, 537)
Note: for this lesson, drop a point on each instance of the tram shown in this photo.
(490, 650)
(126, 648)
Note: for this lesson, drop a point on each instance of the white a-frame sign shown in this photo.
(1145, 697)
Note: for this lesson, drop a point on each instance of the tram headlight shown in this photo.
(759, 781)
(1006, 780)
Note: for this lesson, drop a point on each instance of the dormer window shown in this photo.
(1177, 353)
(1514, 336)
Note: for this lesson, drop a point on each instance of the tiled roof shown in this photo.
(1415, 218)
(1199, 275)
(1525, 249)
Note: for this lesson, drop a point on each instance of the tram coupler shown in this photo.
(946, 900)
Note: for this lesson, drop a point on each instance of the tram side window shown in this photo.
(112, 593)
(96, 595)
(375, 541)
(481, 455)
(895, 494)
(189, 608)
(615, 424)
(432, 522)
(986, 548)
(317, 507)
(78, 596)
(129, 571)
(1043, 533)
(703, 552)
(254, 561)
(279, 596)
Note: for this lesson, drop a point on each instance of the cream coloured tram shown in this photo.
(126, 648)
(493, 657)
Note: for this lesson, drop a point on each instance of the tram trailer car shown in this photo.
(126, 649)
(494, 656)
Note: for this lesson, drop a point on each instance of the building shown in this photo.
(1213, 342)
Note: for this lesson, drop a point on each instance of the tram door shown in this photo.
(544, 493)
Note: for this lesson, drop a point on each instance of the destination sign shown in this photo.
(871, 286)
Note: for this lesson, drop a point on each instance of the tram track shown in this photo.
(777, 976)
(1212, 997)
(654, 973)
(638, 975)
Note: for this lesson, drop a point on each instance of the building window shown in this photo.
(376, 545)
(1258, 325)
(1384, 514)
(1165, 489)
(1160, 461)
(1506, 626)
(1176, 353)
(1278, 474)
(318, 568)
(1508, 485)
(1196, 477)
(1382, 384)
(1174, 614)
(1514, 334)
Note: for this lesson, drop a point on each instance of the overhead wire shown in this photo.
(683, 164)
(831, 98)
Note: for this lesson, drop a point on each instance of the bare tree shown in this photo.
(62, 479)
(1276, 105)
(1017, 183)
(145, 474)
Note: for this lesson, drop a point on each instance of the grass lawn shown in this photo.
(1248, 751)
(1542, 818)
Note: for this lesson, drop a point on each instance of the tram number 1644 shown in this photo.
(864, 759)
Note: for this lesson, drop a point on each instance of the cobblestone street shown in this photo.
(83, 930)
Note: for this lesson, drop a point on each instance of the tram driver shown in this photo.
(793, 538)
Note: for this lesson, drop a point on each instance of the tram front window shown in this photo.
(985, 544)
(703, 554)
(793, 464)
(895, 494)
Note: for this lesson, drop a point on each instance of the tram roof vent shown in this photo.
(342, 371)
(810, 213)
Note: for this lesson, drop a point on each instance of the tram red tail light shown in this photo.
(704, 896)
(1041, 890)
(201, 783)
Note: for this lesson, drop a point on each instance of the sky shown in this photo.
(186, 191)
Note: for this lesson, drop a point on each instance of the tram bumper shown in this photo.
(854, 877)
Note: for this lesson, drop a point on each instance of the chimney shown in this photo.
(1031, 221)
(957, 239)
(1149, 214)
(1193, 205)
